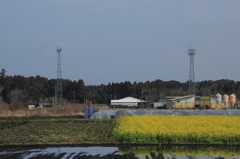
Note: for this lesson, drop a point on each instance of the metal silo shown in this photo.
(232, 100)
(225, 99)
(218, 98)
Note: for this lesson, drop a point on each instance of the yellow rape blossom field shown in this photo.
(178, 129)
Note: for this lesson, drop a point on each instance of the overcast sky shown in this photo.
(121, 40)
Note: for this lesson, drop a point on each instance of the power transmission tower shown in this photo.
(191, 53)
(58, 89)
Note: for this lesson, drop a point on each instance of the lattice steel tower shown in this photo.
(191, 53)
(58, 89)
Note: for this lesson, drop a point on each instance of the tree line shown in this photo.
(20, 90)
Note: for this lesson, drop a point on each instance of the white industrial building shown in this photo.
(128, 101)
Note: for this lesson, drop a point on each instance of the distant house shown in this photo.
(128, 101)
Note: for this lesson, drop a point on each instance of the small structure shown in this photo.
(88, 109)
(157, 104)
(128, 101)
(30, 107)
(44, 105)
(182, 102)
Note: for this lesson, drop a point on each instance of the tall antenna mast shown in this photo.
(58, 93)
(191, 53)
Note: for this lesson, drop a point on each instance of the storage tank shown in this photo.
(218, 98)
(232, 100)
(225, 99)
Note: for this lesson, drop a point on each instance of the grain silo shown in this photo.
(232, 100)
(218, 98)
(226, 100)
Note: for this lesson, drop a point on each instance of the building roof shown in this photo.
(182, 97)
(128, 100)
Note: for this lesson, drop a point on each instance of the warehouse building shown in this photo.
(128, 101)
(182, 102)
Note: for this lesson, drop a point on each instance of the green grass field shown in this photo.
(55, 131)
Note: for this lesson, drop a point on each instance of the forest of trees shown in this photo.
(19, 90)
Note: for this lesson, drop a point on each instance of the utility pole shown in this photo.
(74, 96)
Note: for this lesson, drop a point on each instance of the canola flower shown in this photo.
(178, 129)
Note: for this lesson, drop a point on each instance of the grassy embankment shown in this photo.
(55, 131)
(223, 130)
